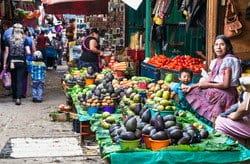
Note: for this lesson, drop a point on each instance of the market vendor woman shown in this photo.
(91, 53)
(213, 95)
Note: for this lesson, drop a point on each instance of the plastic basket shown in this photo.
(110, 109)
(129, 144)
(146, 141)
(148, 70)
(159, 144)
(164, 72)
(92, 110)
(162, 113)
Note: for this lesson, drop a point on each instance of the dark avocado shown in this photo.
(161, 135)
(175, 133)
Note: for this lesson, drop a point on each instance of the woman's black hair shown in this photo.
(94, 30)
(229, 47)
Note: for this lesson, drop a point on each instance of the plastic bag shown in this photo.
(6, 79)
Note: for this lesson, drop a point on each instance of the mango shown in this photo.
(159, 93)
(165, 102)
(160, 107)
(166, 95)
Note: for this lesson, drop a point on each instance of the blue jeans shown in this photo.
(37, 89)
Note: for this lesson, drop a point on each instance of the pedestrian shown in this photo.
(28, 60)
(91, 53)
(42, 42)
(216, 93)
(15, 59)
(38, 73)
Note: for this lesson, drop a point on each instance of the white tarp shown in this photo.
(133, 3)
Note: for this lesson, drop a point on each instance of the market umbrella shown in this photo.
(51, 2)
(82, 7)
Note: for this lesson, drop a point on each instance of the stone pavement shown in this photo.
(32, 120)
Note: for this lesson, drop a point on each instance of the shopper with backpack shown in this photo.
(15, 52)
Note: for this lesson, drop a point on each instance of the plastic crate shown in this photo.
(148, 70)
(164, 72)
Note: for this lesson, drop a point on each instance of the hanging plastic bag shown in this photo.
(6, 79)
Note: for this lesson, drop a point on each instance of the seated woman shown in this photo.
(216, 93)
(236, 122)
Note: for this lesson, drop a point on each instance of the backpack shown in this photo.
(16, 49)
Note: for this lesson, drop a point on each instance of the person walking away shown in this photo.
(38, 73)
(91, 53)
(28, 60)
(216, 93)
(6, 32)
(15, 60)
(41, 42)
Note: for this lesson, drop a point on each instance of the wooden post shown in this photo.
(211, 28)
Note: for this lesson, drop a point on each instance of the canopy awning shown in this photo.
(51, 2)
(78, 7)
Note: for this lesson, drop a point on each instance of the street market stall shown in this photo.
(134, 109)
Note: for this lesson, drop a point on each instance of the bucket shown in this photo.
(110, 109)
(92, 110)
(129, 144)
(89, 81)
(159, 144)
(146, 141)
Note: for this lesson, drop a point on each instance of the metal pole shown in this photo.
(147, 26)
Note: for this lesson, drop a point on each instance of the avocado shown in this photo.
(141, 124)
(146, 116)
(176, 133)
(147, 129)
(131, 124)
(127, 135)
(169, 117)
(204, 134)
(152, 132)
(138, 133)
(168, 124)
(183, 140)
(161, 135)
(159, 124)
